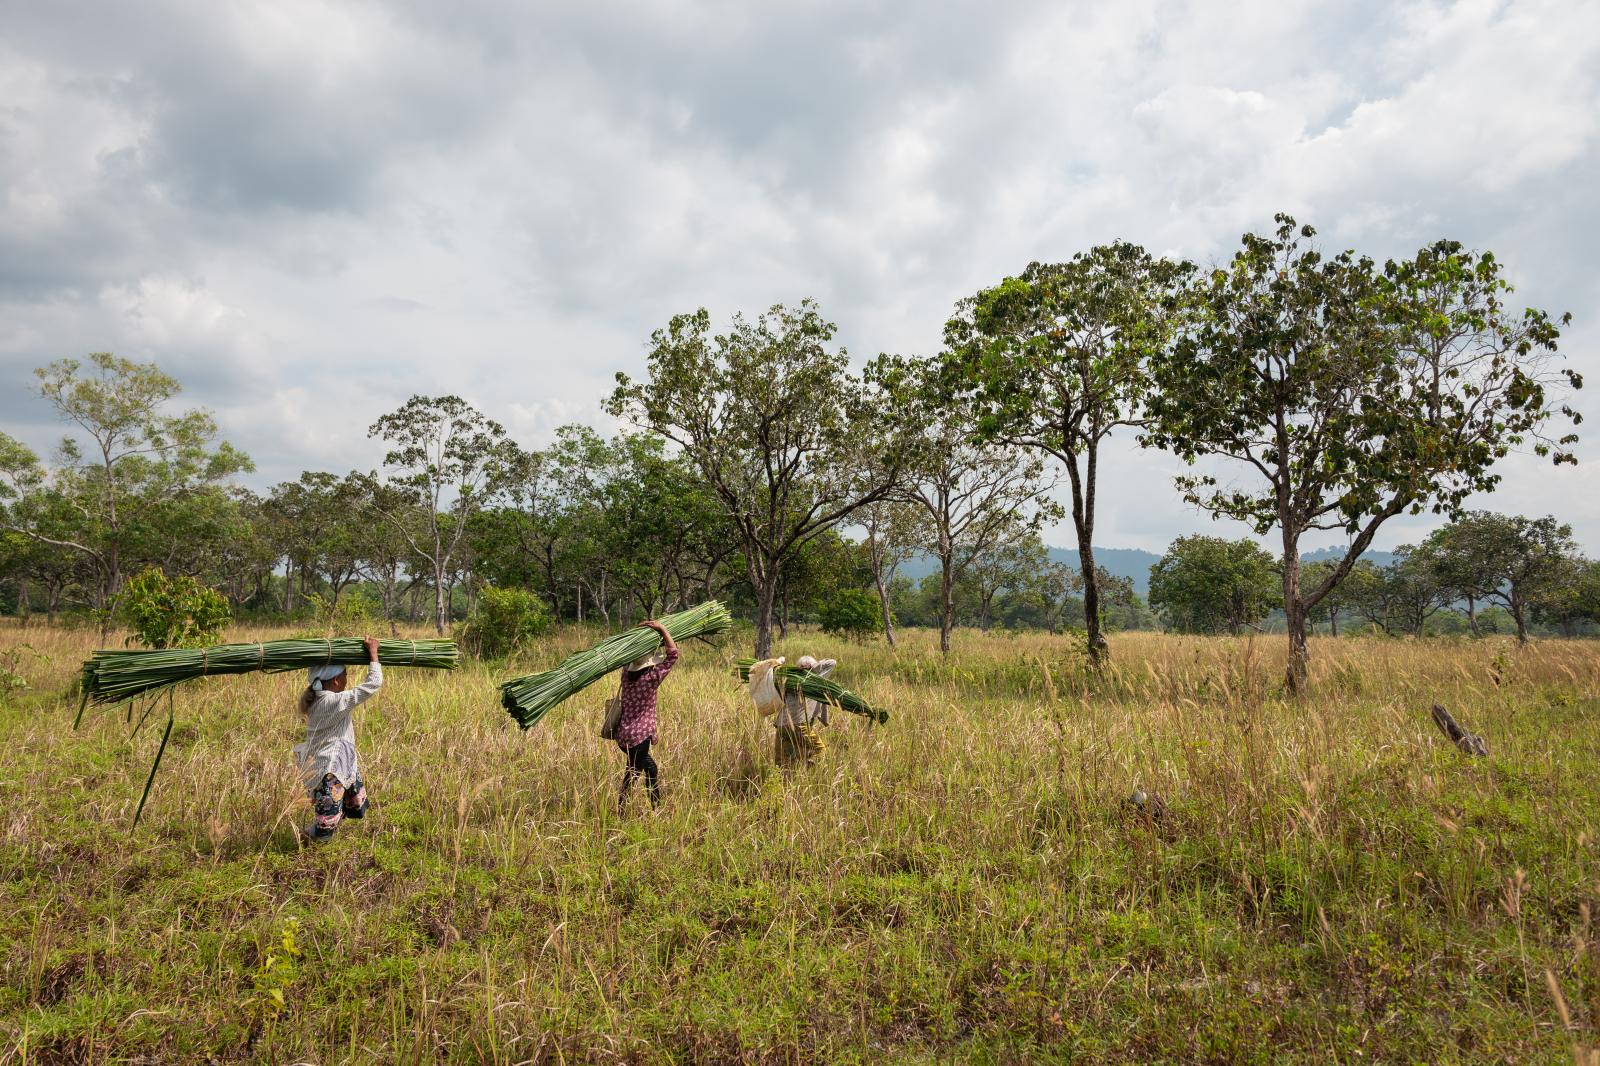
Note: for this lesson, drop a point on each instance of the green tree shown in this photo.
(815, 572)
(385, 546)
(136, 463)
(850, 613)
(1517, 562)
(324, 523)
(1012, 564)
(775, 424)
(20, 481)
(1363, 590)
(545, 525)
(246, 556)
(1055, 360)
(1414, 589)
(1575, 600)
(1401, 596)
(895, 533)
(1208, 584)
(972, 495)
(1340, 599)
(659, 519)
(449, 459)
(1356, 394)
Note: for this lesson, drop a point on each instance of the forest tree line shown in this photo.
(760, 467)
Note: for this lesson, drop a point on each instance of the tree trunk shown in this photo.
(1333, 622)
(439, 594)
(876, 547)
(1083, 523)
(22, 601)
(1472, 616)
(1520, 615)
(103, 597)
(947, 610)
(766, 597)
(114, 578)
(1294, 611)
(883, 603)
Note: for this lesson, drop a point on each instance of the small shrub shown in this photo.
(172, 612)
(279, 968)
(502, 621)
(852, 613)
(11, 679)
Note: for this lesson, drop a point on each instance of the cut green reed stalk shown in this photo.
(123, 676)
(114, 676)
(530, 698)
(816, 688)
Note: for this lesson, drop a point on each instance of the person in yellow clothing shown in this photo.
(795, 741)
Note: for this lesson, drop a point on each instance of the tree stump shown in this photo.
(1471, 743)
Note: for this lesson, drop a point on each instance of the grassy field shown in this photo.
(1329, 882)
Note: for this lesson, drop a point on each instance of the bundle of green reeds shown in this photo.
(529, 698)
(816, 688)
(113, 676)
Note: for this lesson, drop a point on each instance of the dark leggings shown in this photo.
(640, 762)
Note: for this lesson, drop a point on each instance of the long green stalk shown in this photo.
(821, 689)
(529, 698)
(113, 676)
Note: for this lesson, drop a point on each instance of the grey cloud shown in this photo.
(504, 200)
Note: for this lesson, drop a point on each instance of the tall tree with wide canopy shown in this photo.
(136, 461)
(1518, 562)
(778, 427)
(1055, 361)
(1356, 394)
(449, 459)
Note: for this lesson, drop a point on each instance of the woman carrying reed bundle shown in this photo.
(795, 741)
(636, 728)
(327, 758)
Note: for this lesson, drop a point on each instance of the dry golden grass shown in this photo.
(1329, 879)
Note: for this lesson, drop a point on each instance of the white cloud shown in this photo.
(309, 211)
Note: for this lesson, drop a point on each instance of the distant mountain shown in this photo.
(1120, 562)
(1377, 558)
(1131, 563)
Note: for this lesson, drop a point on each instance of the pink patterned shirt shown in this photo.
(638, 694)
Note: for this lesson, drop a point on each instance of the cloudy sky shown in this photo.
(308, 212)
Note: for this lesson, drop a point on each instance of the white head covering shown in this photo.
(806, 662)
(318, 674)
(647, 660)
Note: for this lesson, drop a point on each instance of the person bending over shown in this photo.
(797, 742)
